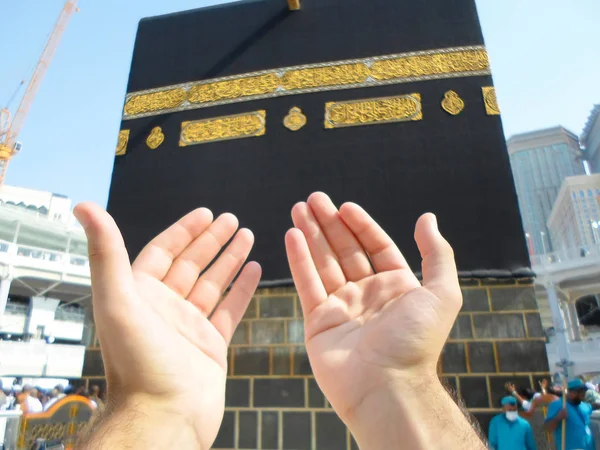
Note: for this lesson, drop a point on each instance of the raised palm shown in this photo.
(161, 332)
(368, 320)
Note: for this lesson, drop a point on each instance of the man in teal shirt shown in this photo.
(577, 415)
(508, 431)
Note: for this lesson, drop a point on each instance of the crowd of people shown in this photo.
(567, 413)
(34, 399)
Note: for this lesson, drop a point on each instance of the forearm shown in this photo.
(136, 426)
(551, 424)
(422, 416)
(516, 395)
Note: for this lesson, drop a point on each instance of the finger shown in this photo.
(323, 256)
(309, 284)
(383, 252)
(156, 258)
(439, 268)
(231, 310)
(112, 279)
(208, 290)
(349, 252)
(197, 256)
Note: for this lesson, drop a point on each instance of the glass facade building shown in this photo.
(540, 161)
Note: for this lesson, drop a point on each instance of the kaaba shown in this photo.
(248, 107)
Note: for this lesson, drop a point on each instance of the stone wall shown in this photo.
(273, 401)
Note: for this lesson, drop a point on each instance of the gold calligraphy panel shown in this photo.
(431, 64)
(223, 128)
(157, 101)
(402, 108)
(490, 100)
(328, 76)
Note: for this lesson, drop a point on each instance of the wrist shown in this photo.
(405, 413)
(386, 417)
(141, 422)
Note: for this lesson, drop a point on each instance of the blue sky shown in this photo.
(544, 53)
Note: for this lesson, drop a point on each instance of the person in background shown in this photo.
(95, 395)
(69, 391)
(52, 400)
(42, 395)
(577, 415)
(61, 391)
(83, 392)
(508, 431)
(28, 400)
(530, 400)
(3, 397)
(591, 395)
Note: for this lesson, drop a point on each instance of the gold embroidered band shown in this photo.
(367, 72)
(490, 100)
(223, 128)
(402, 108)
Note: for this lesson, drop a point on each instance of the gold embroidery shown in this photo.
(122, 143)
(156, 138)
(434, 64)
(401, 108)
(294, 5)
(156, 101)
(490, 100)
(225, 90)
(452, 103)
(338, 75)
(295, 119)
(223, 128)
(328, 76)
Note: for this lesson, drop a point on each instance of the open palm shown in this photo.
(161, 332)
(369, 322)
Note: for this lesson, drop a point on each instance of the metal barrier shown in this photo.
(56, 428)
(9, 429)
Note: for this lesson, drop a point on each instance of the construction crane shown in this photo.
(10, 128)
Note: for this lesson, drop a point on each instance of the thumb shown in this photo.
(439, 268)
(112, 279)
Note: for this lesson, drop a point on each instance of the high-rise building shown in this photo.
(575, 218)
(590, 140)
(540, 161)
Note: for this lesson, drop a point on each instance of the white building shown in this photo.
(44, 285)
(54, 206)
(575, 218)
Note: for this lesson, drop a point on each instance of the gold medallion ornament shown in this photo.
(295, 119)
(490, 100)
(402, 108)
(156, 138)
(224, 128)
(317, 77)
(452, 103)
(122, 143)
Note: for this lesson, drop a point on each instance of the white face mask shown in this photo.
(512, 415)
